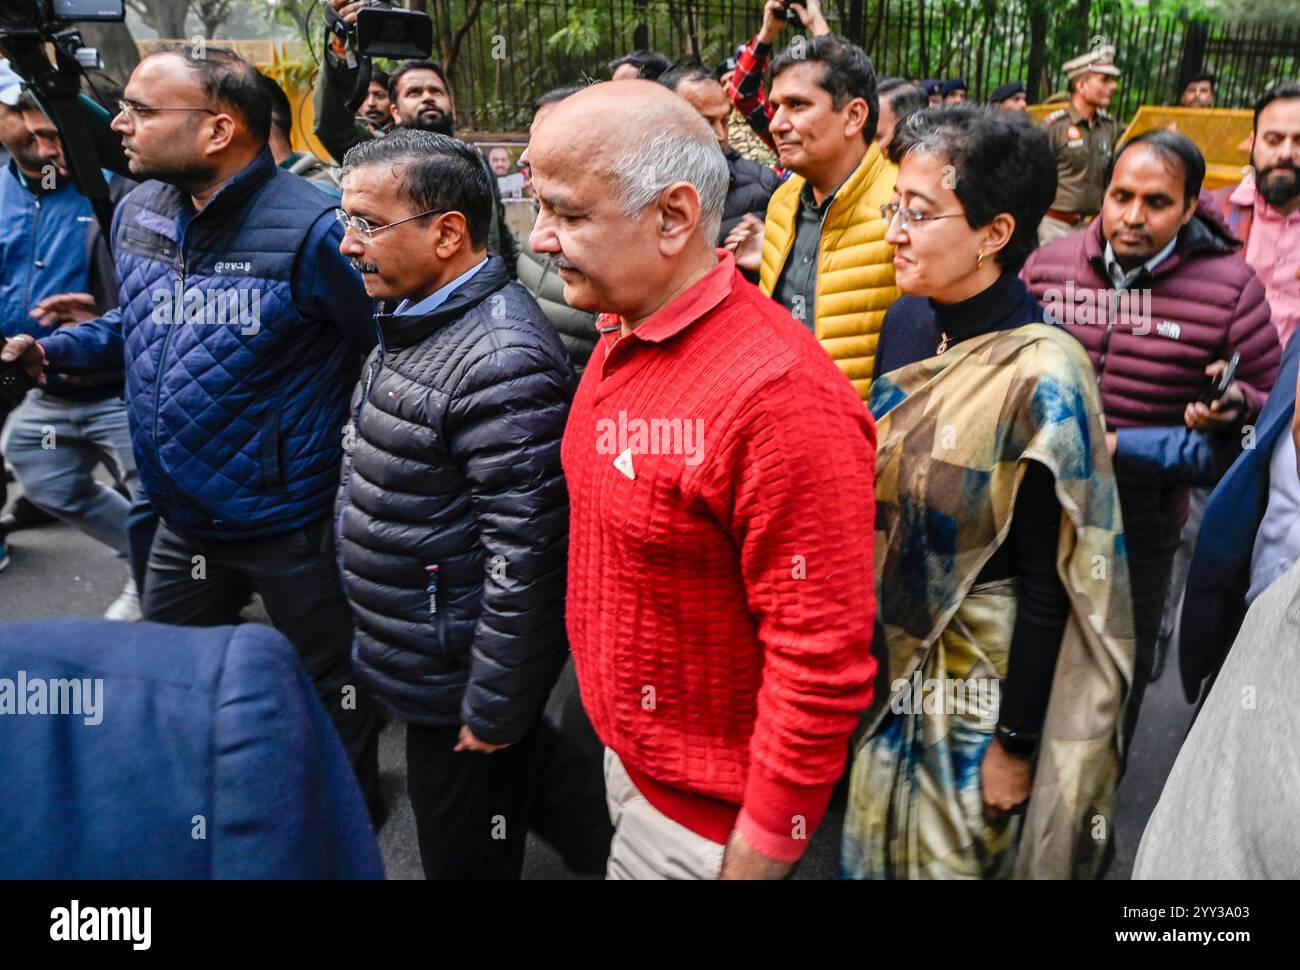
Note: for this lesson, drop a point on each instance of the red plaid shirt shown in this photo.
(745, 89)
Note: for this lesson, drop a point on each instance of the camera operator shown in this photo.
(56, 268)
(421, 97)
(236, 411)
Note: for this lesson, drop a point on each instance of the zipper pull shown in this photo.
(431, 588)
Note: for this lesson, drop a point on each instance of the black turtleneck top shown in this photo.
(912, 331)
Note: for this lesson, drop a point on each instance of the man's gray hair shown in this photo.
(654, 161)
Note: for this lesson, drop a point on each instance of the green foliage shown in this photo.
(579, 36)
(554, 42)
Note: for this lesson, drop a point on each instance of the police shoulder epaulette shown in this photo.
(1056, 116)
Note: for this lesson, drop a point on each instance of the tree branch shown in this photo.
(459, 36)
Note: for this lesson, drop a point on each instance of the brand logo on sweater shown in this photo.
(233, 306)
(650, 436)
(232, 267)
(1168, 329)
(1083, 306)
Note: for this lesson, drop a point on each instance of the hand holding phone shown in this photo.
(1221, 404)
(1216, 388)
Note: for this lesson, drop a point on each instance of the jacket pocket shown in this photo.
(438, 612)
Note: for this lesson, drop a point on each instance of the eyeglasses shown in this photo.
(133, 111)
(910, 217)
(367, 232)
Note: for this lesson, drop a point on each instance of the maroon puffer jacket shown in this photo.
(1204, 304)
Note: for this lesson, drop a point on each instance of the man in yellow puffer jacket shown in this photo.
(823, 252)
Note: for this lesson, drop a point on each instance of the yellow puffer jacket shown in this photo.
(855, 277)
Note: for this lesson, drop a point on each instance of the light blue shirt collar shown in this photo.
(1121, 280)
(439, 296)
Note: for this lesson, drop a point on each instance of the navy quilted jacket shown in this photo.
(242, 328)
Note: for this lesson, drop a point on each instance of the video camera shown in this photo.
(381, 30)
(26, 26)
(44, 17)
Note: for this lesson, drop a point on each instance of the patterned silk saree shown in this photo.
(953, 433)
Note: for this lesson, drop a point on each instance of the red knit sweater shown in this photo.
(721, 601)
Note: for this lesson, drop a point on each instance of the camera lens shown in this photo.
(21, 15)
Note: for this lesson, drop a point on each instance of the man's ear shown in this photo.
(452, 234)
(856, 116)
(1191, 211)
(679, 214)
(223, 133)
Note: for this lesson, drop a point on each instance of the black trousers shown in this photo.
(1153, 521)
(193, 582)
(569, 808)
(472, 810)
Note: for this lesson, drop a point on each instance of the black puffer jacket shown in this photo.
(453, 461)
(750, 188)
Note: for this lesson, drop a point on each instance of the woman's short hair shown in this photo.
(1000, 163)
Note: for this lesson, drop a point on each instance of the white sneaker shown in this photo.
(127, 606)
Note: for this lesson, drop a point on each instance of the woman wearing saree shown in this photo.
(1001, 575)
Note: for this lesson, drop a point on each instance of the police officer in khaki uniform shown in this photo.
(1083, 136)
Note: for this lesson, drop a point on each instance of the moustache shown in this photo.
(1288, 166)
(361, 266)
(559, 262)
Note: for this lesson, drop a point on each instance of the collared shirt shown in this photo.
(1122, 280)
(1083, 149)
(439, 296)
(796, 289)
(1277, 543)
(1273, 252)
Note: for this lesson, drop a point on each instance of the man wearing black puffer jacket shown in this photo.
(452, 512)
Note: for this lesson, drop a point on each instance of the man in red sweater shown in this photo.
(720, 473)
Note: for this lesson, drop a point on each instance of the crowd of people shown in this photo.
(825, 425)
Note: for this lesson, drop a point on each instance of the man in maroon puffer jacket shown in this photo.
(1155, 293)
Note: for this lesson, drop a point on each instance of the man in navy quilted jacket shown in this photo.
(242, 329)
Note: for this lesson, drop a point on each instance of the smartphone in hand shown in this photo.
(1218, 387)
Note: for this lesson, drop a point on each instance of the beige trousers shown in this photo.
(647, 843)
